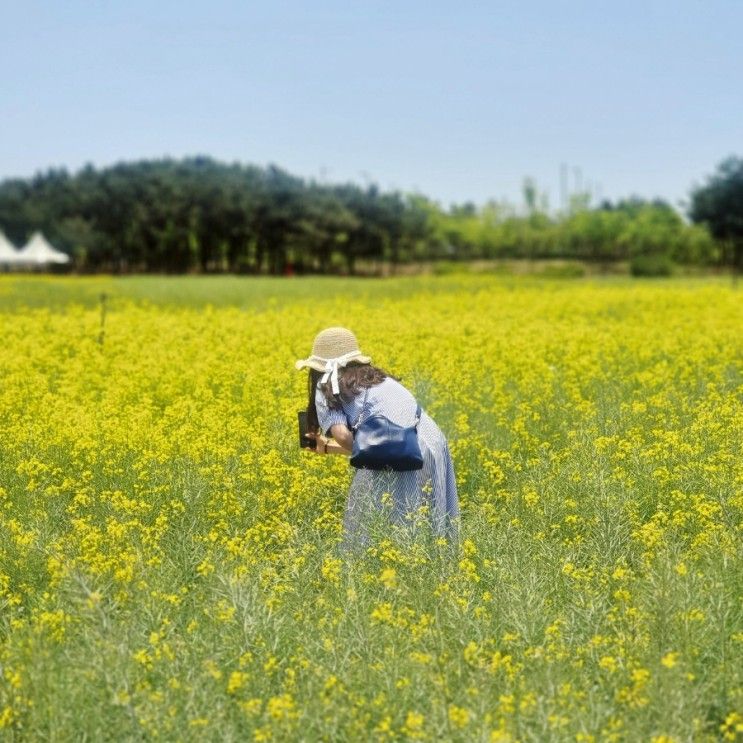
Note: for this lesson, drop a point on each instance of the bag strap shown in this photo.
(418, 413)
(361, 412)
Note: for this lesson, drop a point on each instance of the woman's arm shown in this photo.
(343, 437)
(342, 443)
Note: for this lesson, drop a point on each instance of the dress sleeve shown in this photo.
(325, 416)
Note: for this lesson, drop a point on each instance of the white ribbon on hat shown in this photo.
(331, 368)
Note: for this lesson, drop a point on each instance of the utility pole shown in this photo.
(563, 186)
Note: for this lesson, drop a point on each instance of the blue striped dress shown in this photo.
(434, 487)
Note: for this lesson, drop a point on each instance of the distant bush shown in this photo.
(651, 265)
(501, 268)
(447, 268)
(564, 271)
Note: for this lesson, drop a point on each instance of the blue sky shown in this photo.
(459, 100)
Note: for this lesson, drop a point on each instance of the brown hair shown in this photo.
(352, 378)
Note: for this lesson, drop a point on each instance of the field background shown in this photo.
(168, 558)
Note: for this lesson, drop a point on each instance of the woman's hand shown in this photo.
(321, 442)
(327, 445)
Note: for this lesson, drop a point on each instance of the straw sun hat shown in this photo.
(333, 348)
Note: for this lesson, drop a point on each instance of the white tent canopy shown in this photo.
(8, 251)
(39, 252)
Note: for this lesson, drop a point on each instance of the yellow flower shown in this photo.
(281, 707)
(6, 717)
(388, 578)
(382, 613)
(236, 682)
(413, 726)
(608, 663)
(669, 660)
(471, 653)
(500, 736)
(271, 663)
(331, 570)
(459, 717)
(732, 728)
(224, 611)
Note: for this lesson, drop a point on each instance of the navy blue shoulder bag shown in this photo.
(379, 443)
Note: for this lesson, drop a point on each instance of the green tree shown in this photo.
(719, 205)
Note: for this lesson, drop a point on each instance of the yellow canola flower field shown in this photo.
(169, 562)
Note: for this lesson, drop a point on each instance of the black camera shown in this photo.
(304, 442)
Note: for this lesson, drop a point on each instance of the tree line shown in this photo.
(197, 214)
